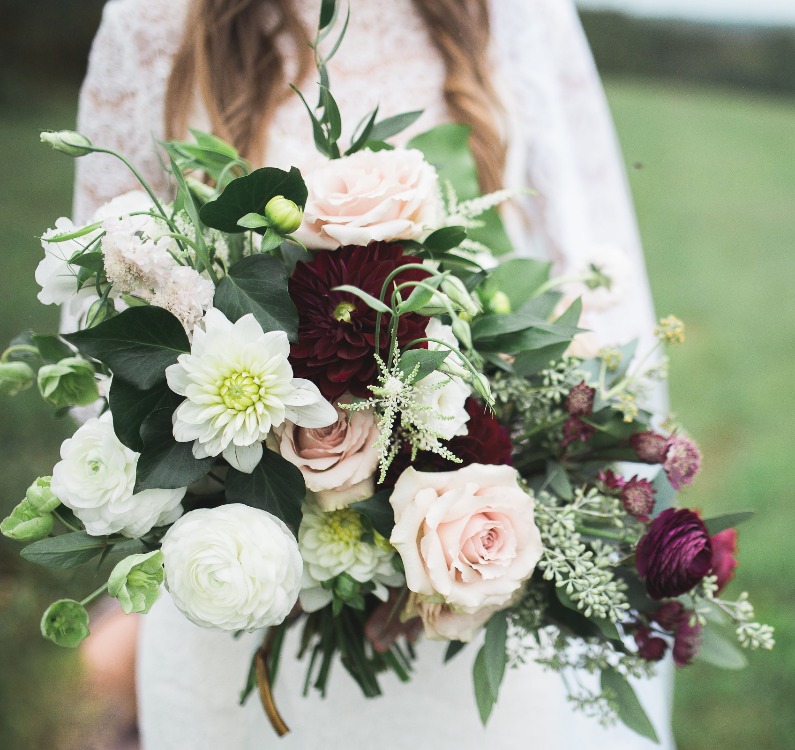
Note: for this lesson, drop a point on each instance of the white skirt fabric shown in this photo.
(192, 678)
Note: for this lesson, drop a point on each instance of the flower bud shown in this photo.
(135, 581)
(98, 312)
(70, 382)
(68, 142)
(65, 623)
(458, 294)
(500, 304)
(15, 377)
(41, 497)
(26, 524)
(462, 332)
(284, 215)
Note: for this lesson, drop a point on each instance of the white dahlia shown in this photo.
(238, 385)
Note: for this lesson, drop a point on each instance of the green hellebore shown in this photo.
(15, 377)
(40, 496)
(135, 581)
(65, 623)
(26, 523)
(70, 382)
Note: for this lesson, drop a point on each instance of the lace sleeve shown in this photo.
(568, 152)
(121, 101)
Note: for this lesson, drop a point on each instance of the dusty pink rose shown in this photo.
(338, 462)
(443, 623)
(467, 538)
(370, 196)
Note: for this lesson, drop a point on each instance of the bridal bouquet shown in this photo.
(318, 401)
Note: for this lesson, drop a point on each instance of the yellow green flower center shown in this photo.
(343, 526)
(241, 390)
(343, 310)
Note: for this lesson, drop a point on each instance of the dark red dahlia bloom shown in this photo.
(650, 647)
(649, 447)
(486, 442)
(579, 402)
(724, 562)
(336, 330)
(682, 461)
(675, 554)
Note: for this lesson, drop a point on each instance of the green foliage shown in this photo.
(75, 548)
(490, 663)
(627, 704)
(727, 521)
(378, 511)
(425, 360)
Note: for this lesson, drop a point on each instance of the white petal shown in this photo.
(244, 458)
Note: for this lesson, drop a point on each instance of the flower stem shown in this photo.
(602, 534)
(90, 598)
(18, 348)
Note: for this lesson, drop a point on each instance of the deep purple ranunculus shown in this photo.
(675, 554)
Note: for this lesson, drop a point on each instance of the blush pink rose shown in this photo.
(467, 538)
(338, 462)
(370, 196)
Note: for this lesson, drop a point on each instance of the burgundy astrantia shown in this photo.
(675, 554)
(579, 402)
(336, 330)
(486, 442)
(649, 447)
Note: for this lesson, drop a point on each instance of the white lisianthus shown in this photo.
(232, 567)
(445, 396)
(332, 544)
(606, 273)
(238, 385)
(95, 478)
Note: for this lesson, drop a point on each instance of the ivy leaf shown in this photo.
(249, 194)
(130, 406)
(137, 344)
(275, 485)
(378, 511)
(258, 285)
(627, 704)
(165, 463)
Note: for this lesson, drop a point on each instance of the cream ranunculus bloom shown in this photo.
(467, 538)
(371, 196)
(238, 385)
(232, 567)
(95, 479)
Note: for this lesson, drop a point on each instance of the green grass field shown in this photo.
(715, 193)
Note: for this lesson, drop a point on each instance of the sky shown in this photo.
(759, 11)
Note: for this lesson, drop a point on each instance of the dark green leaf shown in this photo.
(453, 648)
(321, 141)
(331, 113)
(445, 239)
(494, 648)
(249, 194)
(137, 344)
(727, 521)
(571, 317)
(51, 348)
(165, 463)
(421, 295)
(379, 146)
(130, 406)
(390, 126)
(428, 361)
(275, 485)
(361, 139)
(258, 285)
(627, 704)
(378, 512)
(66, 550)
(558, 481)
(530, 362)
(542, 306)
(93, 262)
(328, 9)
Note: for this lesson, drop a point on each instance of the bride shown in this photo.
(519, 72)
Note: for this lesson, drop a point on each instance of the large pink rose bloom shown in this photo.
(466, 537)
(338, 462)
(371, 196)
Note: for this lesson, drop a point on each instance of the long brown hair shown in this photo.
(234, 62)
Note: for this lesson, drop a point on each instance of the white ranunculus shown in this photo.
(446, 396)
(238, 385)
(333, 543)
(233, 567)
(371, 196)
(95, 478)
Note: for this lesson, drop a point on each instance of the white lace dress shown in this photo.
(562, 144)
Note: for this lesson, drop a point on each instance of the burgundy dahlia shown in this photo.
(649, 447)
(724, 562)
(336, 330)
(579, 402)
(486, 442)
(682, 461)
(675, 554)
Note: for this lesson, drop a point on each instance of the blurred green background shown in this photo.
(711, 159)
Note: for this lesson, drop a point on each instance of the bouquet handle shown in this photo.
(264, 685)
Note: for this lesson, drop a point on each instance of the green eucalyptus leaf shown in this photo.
(716, 524)
(627, 704)
(445, 239)
(137, 344)
(275, 485)
(258, 285)
(720, 651)
(390, 126)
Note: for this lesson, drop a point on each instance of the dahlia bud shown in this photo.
(579, 402)
(15, 377)
(682, 461)
(68, 142)
(135, 581)
(649, 447)
(637, 497)
(41, 497)
(724, 562)
(499, 303)
(675, 554)
(650, 647)
(283, 215)
(65, 623)
(70, 382)
(26, 524)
